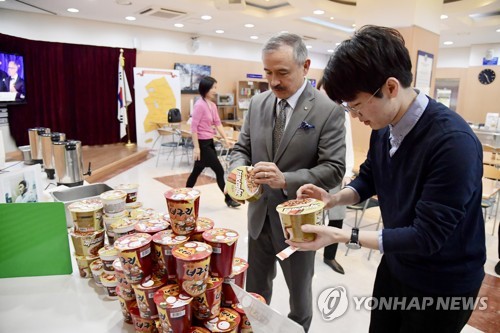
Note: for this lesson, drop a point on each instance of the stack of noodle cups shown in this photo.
(114, 210)
(132, 191)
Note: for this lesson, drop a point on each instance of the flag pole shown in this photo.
(129, 144)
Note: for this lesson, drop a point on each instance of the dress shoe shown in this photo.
(334, 265)
(231, 203)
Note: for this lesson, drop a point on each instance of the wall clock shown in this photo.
(486, 76)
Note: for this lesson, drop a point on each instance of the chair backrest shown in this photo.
(491, 172)
(174, 116)
(236, 134)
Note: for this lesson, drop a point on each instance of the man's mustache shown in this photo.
(278, 88)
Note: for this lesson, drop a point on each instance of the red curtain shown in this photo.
(72, 89)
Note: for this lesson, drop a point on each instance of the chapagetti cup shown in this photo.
(202, 224)
(108, 254)
(113, 201)
(109, 283)
(96, 267)
(183, 205)
(141, 325)
(87, 215)
(238, 277)
(174, 309)
(227, 322)
(295, 213)
(151, 226)
(135, 256)
(144, 214)
(245, 325)
(87, 243)
(241, 186)
(223, 242)
(192, 261)
(122, 227)
(83, 263)
(127, 292)
(144, 294)
(131, 190)
(163, 243)
(207, 305)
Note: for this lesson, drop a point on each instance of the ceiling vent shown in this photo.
(230, 4)
(163, 13)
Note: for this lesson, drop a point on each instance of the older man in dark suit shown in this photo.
(293, 135)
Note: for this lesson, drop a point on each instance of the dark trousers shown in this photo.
(298, 271)
(331, 250)
(208, 158)
(429, 320)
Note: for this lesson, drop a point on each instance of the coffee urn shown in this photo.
(68, 163)
(47, 151)
(36, 143)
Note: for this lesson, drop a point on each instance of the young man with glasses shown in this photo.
(425, 165)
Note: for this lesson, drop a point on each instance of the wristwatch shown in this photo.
(354, 242)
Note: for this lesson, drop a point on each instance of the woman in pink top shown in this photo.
(205, 117)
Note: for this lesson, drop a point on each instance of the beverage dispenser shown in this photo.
(68, 163)
(47, 151)
(36, 143)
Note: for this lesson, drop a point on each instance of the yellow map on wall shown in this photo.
(160, 98)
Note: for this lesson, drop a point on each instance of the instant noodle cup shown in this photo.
(127, 291)
(87, 215)
(144, 294)
(163, 243)
(135, 256)
(295, 213)
(192, 262)
(196, 329)
(87, 243)
(227, 322)
(223, 242)
(83, 263)
(142, 325)
(144, 214)
(113, 201)
(109, 219)
(122, 227)
(238, 277)
(202, 224)
(96, 267)
(108, 254)
(174, 309)
(151, 226)
(207, 305)
(125, 305)
(131, 190)
(183, 205)
(245, 325)
(109, 283)
(241, 185)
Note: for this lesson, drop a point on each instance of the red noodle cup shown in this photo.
(125, 287)
(227, 321)
(141, 325)
(108, 254)
(183, 205)
(122, 227)
(135, 255)
(96, 267)
(125, 305)
(87, 215)
(87, 243)
(151, 226)
(207, 305)
(202, 224)
(109, 283)
(241, 186)
(245, 325)
(131, 190)
(238, 277)
(192, 261)
(295, 213)
(113, 201)
(223, 242)
(196, 329)
(164, 242)
(174, 309)
(144, 294)
(83, 263)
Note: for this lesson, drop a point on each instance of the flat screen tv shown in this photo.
(12, 79)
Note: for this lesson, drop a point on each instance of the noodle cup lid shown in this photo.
(227, 321)
(240, 184)
(117, 265)
(239, 307)
(204, 224)
(132, 242)
(108, 252)
(192, 251)
(96, 265)
(300, 206)
(221, 235)
(113, 195)
(149, 284)
(107, 278)
(214, 282)
(152, 225)
(181, 194)
(143, 214)
(83, 206)
(133, 205)
(167, 237)
(259, 297)
(127, 187)
(196, 329)
(170, 296)
(239, 266)
(123, 213)
(123, 225)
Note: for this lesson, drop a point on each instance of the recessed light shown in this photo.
(332, 18)
(443, 17)
(123, 2)
(219, 31)
(254, 37)
(72, 10)
(498, 30)
(178, 25)
(448, 42)
(318, 12)
(354, 25)
(309, 47)
(130, 18)
(249, 25)
(206, 17)
(330, 51)
(337, 44)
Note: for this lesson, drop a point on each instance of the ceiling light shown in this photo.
(123, 2)
(72, 10)
(178, 25)
(498, 30)
(219, 31)
(254, 37)
(249, 25)
(318, 12)
(443, 17)
(337, 44)
(448, 42)
(354, 25)
(206, 17)
(332, 18)
(309, 47)
(330, 51)
(130, 18)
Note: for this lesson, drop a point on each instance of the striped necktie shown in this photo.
(279, 125)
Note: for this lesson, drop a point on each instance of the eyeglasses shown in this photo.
(356, 109)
